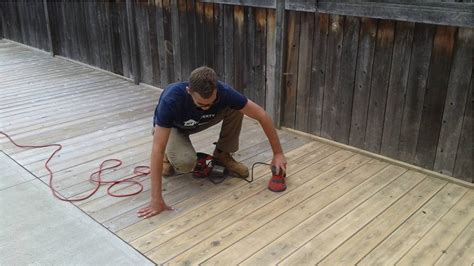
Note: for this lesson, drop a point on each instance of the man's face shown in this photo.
(201, 102)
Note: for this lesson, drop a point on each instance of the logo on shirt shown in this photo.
(190, 123)
(207, 116)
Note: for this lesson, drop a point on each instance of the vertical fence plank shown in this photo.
(435, 96)
(249, 64)
(73, 31)
(16, 22)
(464, 168)
(209, 34)
(115, 19)
(191, 18)
(48, 27)
(183, 39)
(419, 65)
(291, 70)
(270, 64)
(93, 45)
(318, 73)
(304, 72)
(260, 55)
(168, 41)
(104, 33)
(67, 31)
(83, 34)
(133, 41)
(199, 34)
(345, 90)
(36, 25)
(110, 45)
(42, 25)
(229, 44)
(397, 88)
(124, 44)
(153, 40)
(160, 39)
(20, 10)
(239, 48)
(143, 39)
(175, 39)
(2, 20)
(58, 28)
(279, 60)
(333, 68)
(455, 104)
(219, 40)
(379, 85)
(365, 60)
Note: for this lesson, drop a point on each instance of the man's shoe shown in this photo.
(167, 167)
(231, 165)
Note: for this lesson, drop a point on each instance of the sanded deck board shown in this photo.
(409, 233)
(437, 241)
(460, 252)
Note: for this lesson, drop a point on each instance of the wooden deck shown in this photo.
(340, 207)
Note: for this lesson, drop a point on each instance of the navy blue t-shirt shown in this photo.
(176, 107)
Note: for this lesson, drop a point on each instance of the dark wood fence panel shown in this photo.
(345, 89)
(2, 21)
(144, 37)
(464, 167)
(239, 48)
(401, 89)
(360, 101)
(402, 48)
(435, 96)
(304, 72)
(229, 63)
(291, 70)
(455, 106)
(24, 21)
(333, 70)
(379, 85)
(384, 86)
(270, 63)
(318, 70)
(417, 77)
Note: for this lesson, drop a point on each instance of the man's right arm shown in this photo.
(157, 203)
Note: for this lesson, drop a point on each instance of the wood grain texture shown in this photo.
(435, 95)
(455, 104)
(291, 70)
(379, 85)
(397, 88)
(417, 79)
(333, 68)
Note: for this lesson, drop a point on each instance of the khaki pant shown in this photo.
(180, 150)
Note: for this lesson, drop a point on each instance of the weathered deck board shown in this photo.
(340, 207)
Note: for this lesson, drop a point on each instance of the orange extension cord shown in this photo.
(138, 171)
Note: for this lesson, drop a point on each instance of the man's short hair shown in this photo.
(203, 80)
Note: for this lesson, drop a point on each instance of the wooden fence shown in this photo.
(398, 88)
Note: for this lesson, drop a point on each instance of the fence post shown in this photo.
(133, 40)
(279, 55)
(48, 27)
